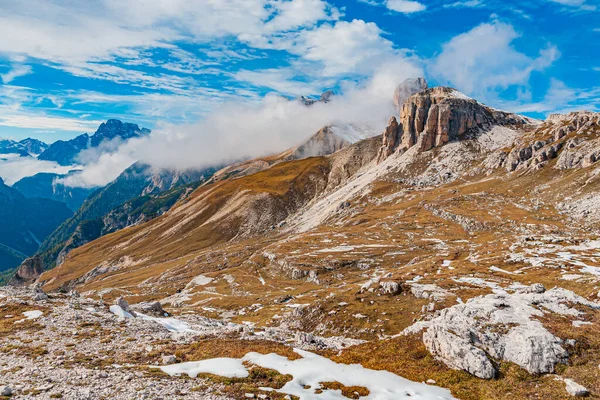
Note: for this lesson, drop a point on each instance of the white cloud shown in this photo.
(405, 6)
(346, 47)
(580, 5)
(239, 130)
(15, 72)
(281, 80)
(86, 39)
(27, 120)
(465, 4)
(483, 61)
(560, 98)
(13, 168)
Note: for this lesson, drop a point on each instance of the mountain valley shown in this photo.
(459, 249)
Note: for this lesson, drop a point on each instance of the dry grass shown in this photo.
(351, 392)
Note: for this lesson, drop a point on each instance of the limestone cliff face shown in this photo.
(435, 116)
(438, 115)
(391, 139)
(573, 138)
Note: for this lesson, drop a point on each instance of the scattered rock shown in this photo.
(39, 294)
(121, 302)
(6, 391)
(502, 326)
(575, 389)
(170, 359)
(535, 288)
(150, 308)
(390, 287)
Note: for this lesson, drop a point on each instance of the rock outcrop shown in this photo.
(575, 389)
(27, 272)
(571, 138)
(500, 325)
(436, 116)
(324, 98)
(330, 139)
(391, 139)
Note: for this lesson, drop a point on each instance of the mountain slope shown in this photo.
(45, 185)
(138, 180)
(25, 223)
(459, 246)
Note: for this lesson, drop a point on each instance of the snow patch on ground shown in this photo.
(227, 367)
(310, 370)
(171, 324)
(200, 280)
(33, 314)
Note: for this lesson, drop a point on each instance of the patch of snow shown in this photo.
(200, 280)
(496, 269)
(227, 367)
(353, 132)
(33, 314)
(119, 312)
(591, 270)
(577, 324)
(309, 371)
(336, 249)
(171, 324)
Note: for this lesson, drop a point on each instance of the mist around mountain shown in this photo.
(140, 193)
(26, 148)
(65, 152)
(49, 186)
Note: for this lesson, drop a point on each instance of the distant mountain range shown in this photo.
(26, 147)
(66, 152)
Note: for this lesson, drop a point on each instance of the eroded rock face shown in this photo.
(571, 138)
(501, 325)
(391, 139)
(28, 271)
(435, 116)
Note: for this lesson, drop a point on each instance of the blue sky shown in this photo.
(66, 65)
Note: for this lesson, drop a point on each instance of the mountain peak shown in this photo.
(407, 88)
(434, 116)
(114, 128)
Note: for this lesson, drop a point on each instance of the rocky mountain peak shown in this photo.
(435, 116)
(391, 139)
(113, 128)
(578, 120)
(406, 89)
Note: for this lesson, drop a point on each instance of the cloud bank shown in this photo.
(13, 167)
(237, 131)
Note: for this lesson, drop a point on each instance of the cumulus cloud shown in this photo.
(14, 167)
(483, 61)
(405, 6)
(242, 130)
